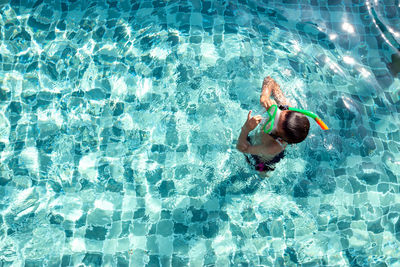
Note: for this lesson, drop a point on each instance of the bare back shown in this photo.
(268, 142)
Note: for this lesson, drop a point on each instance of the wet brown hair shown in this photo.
(295, 127)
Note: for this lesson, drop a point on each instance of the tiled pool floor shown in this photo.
(119, 120)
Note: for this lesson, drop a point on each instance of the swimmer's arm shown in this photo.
(279, 96)
(266, 90)
(270, 86)
(250, 124)
(243, 144)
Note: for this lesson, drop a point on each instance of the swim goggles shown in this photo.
(273, 111)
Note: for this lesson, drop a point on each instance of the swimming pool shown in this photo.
(119, 121)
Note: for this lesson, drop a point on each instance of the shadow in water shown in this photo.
(394, 66)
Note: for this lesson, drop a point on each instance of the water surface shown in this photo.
(119, 120)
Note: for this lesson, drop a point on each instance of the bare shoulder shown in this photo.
(271, 144)
(276, 148)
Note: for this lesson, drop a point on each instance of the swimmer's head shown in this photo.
(292, 127)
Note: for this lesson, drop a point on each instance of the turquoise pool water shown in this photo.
(119, 120)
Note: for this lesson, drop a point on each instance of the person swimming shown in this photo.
(283, 125)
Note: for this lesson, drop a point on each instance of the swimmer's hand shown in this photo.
(267, 102)
(252, 122)
(265, 97)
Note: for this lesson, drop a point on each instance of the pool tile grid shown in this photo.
(87, 234)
